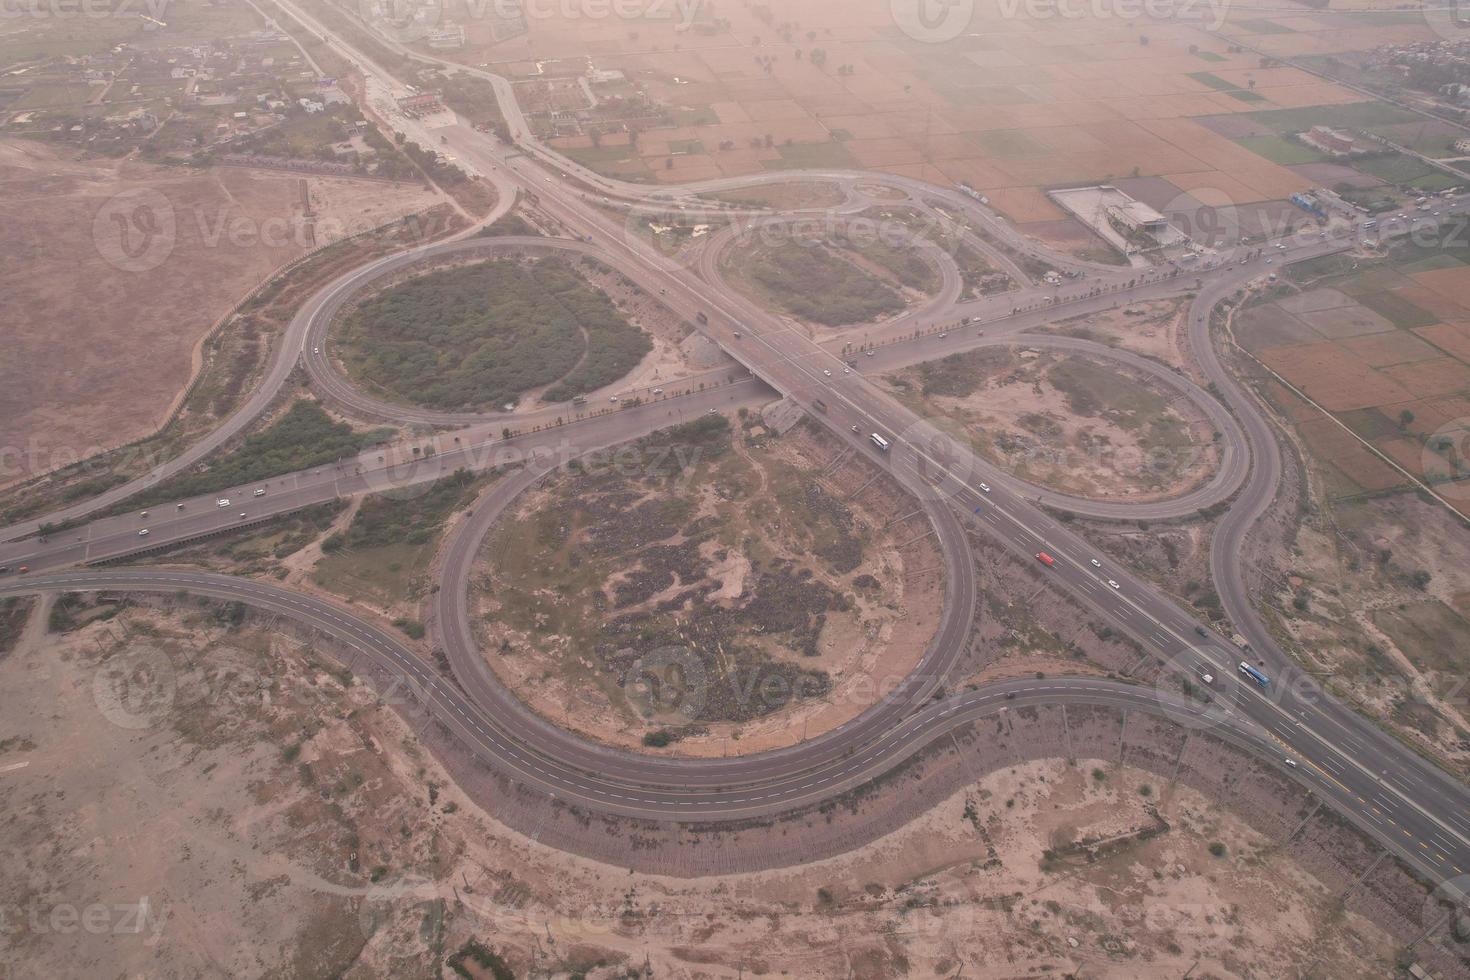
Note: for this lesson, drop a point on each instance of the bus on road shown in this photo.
(1254, 674)
(880, 442)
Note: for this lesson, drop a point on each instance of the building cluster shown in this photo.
(170, 100)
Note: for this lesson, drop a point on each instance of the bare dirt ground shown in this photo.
(120, 269)
(1068, 422)
(828, 599)
(1154, 328)
(1374, 597)
(260, 815)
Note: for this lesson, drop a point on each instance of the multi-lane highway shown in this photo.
(1366, 774)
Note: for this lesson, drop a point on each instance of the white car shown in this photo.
(1207, 678)
(1113, 585)
(143, 533)
(847, 370)
(658, 391)
(826, 372)
(943, 335)
(260, 491)
(316, 350)
(242, 513)
(222, 502)
(1096, 563)
(613, 398)
(868, 353)
(1290, 762)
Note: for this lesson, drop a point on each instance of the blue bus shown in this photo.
(1254, 674)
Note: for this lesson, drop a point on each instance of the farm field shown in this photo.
(1387, 353)
(1012, 107)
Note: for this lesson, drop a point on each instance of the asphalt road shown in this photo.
(1402, 800)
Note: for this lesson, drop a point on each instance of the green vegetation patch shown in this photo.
(386, 550)
(980, 278)
(1351, 115)
(814, 282)
(1212, 80)
(304, 437)
(1397, 310)
(13, 615)
(1262, 26)
(482, 335)
(810, 156)
(906, 264)
(1279, 149)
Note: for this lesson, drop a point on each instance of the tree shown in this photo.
(1406, 419)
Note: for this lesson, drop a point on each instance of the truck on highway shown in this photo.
(1255, 675)
(1045, 559)
(880, 442)
(701, 317)
(819, 405)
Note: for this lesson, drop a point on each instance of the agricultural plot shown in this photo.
(1387, 354)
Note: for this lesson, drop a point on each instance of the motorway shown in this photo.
(1384, 787)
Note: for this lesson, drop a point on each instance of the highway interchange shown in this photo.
(1383, 786)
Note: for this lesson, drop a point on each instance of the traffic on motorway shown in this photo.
(1257, 697)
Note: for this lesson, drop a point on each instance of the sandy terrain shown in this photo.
(119, 269)
(1154, 329)
(1074, 425)
(226, 832)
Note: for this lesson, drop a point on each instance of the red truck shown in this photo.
(1045, 559)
